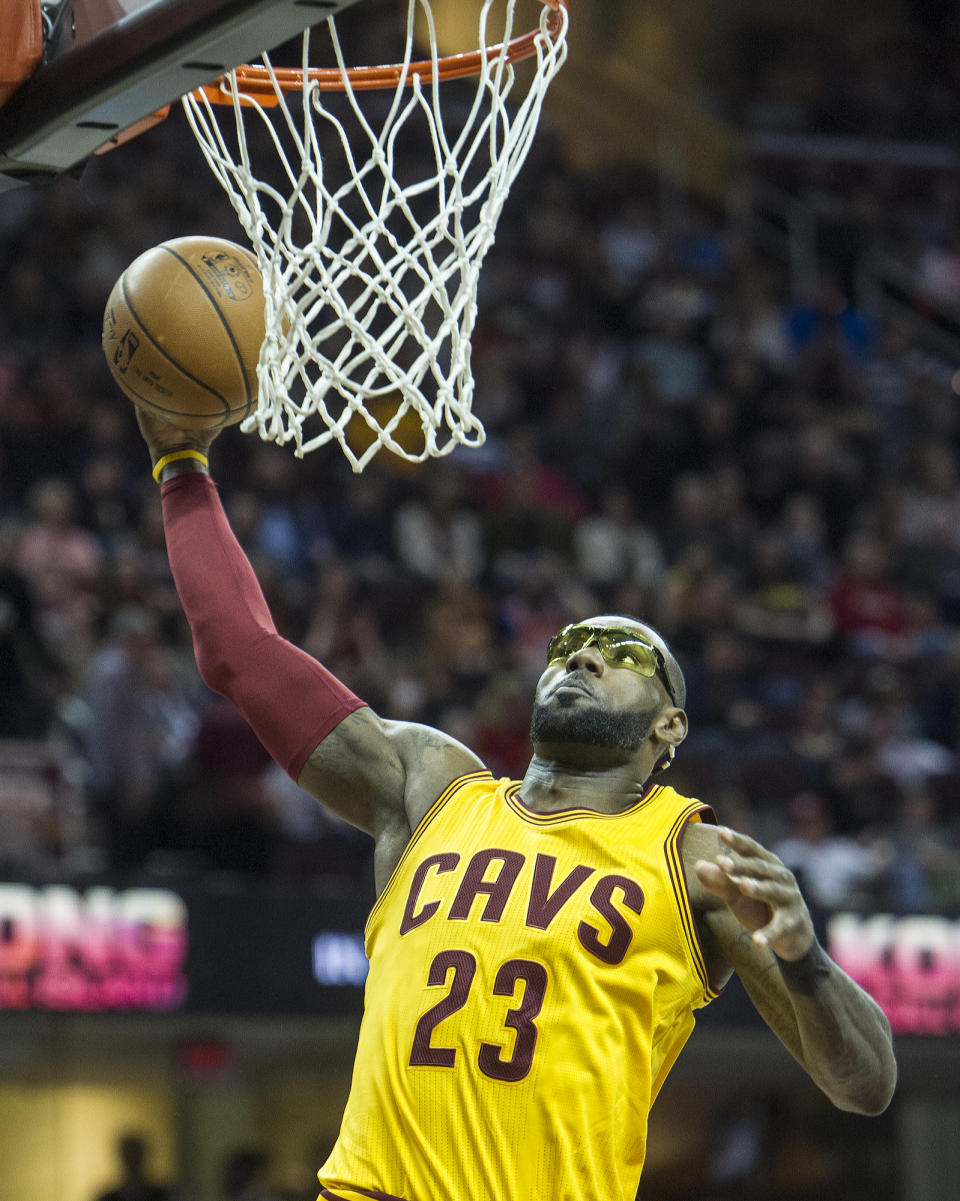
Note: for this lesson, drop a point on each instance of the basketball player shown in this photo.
(538, 947)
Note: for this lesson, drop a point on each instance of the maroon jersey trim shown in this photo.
(559, 816)
(678, 879)
(364, 1192)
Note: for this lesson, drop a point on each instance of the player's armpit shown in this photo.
(372, 771)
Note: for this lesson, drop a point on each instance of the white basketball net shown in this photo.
(370, 277)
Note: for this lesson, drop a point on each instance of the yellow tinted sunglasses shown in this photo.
(619, 646)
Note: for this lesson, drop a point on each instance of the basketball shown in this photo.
(182, 331)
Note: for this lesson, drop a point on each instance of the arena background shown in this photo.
(717, 357)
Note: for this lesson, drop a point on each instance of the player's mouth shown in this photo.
(571, 686)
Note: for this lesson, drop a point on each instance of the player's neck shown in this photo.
(603, 780)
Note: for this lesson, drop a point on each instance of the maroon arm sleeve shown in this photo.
(289, 700)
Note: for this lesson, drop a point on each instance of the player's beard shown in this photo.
(590, 725)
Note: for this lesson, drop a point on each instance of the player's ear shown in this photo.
(671, 726)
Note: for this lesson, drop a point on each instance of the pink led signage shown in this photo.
(102, 949)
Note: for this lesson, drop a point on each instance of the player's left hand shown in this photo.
(761, 893)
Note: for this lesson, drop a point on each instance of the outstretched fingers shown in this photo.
(761, 892)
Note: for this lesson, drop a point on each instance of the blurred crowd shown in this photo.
(773, 481)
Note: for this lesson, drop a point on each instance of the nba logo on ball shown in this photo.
(227, 274)
(126, 349)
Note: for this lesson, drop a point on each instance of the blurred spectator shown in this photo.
(139, 730)
(528, 506)
(135, 1183)
(939, 271)
(832, 868)
(724, 688)
(437, 536)
(887, 718)
(246, 1176)
(230, 817)
(343, 630)
(60, 561)
(869, 610)
(776, 606)
(887, 377)
(361, 528)
(825, 465)
(269, 536)
(106, 505)
(930, 501)
(278, 536)
(925, 863)
(696, 600)
(630, 244)
(816, 737)
(309, 838)
(458, 635)
(614, 546)
(828, 324)
(803, 531)
(44, 822)
(28, 668)
(753, 325)
(670, 356)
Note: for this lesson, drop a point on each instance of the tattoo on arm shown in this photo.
(745, 944)
(433, 740)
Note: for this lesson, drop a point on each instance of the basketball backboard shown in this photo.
(110, 63)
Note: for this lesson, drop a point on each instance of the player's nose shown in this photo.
(587, 658)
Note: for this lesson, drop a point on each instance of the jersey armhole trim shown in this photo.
(450, 791)
(678, 879)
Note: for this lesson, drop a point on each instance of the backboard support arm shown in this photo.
(83, 98)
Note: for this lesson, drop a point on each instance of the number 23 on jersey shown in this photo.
(456, 971)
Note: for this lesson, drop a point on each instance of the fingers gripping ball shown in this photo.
(182, 331)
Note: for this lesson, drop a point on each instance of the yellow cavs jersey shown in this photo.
(533, 977)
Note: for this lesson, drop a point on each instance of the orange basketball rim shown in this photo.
(263, 85)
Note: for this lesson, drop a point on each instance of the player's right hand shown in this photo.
(162, 436)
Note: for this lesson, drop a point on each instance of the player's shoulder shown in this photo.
(426, 746)
(699, 839)
(433, 761)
